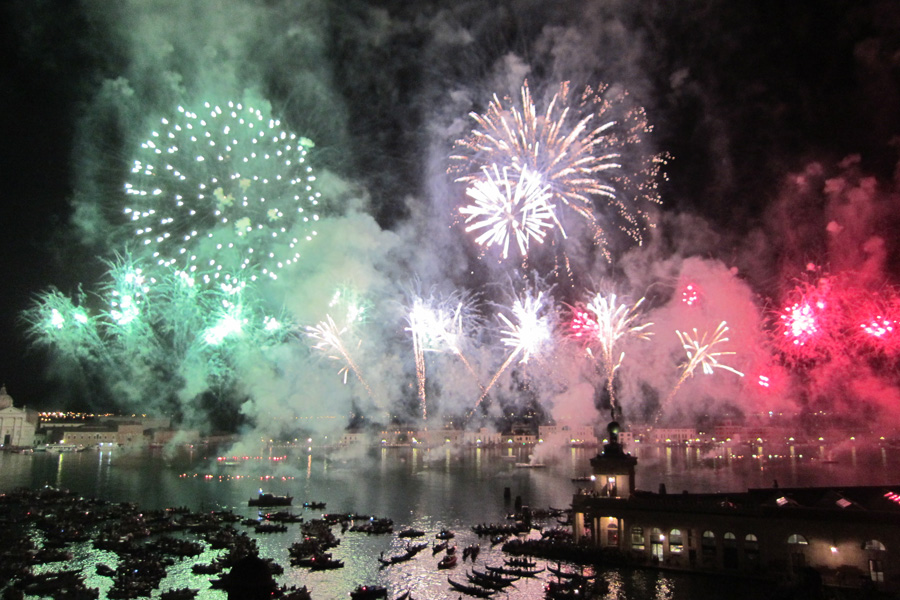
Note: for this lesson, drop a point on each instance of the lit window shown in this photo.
(637, 538)
(675, 541)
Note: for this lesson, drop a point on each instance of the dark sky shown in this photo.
(741, 94)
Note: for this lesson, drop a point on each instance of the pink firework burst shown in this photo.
(690, 294)
(583, 327)
(801, 322)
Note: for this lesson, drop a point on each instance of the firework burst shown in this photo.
(528, 333)
(439, 325)
(329, 340)
(605, 322)
(574, 148)
(702, 351)
(222, 189)
(509, 210)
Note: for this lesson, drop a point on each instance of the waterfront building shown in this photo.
(112, 433)
(671, 435)
(567, 434)
(17, 425)
(848, 536)
(482, 437)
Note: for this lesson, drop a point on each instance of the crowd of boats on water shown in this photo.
(40, 527)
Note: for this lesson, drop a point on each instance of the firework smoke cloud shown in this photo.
(256, 189)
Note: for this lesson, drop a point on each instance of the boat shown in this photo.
(472, 551)
(521, 562)
(409, 533)
(365, 592)
(438, 547)
(179, 594)
(323, 564)
(270, 500)
(472, 590)
(60, 448)
(558, 571)
(448, 562)
(445, 534)
(314, 505)
(270, 527)
(496, 578)
(487, 582)
(514, 571)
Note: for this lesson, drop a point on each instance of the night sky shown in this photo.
(744, 97)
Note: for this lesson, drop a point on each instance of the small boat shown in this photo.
(179, 594)
(270, 500)
(487, 581)
(105, 570)
(314, 505)
(514, 571)
(472, 590)
(59, 448)
(269, 527)
(365, 592)
(521, 562)
(558, 571)
(323, 564)
(206, 568)
(438, 547)
(471, 551)
(410, 533)
(496, 579)
(448, 562)
(445, 534)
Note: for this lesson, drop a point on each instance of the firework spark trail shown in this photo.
(576, 159)
(55, 321)
(508, 210)
(222, 188)
(328, 340)
(701, 353)
(439, 324)
(527, 334)
(608, 322)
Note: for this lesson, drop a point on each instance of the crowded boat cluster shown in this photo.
(41, 527)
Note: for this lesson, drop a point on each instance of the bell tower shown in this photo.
(613, 469)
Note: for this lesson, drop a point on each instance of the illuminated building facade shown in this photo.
(850, 536)
(17, 425)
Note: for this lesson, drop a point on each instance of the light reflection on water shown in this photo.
(428, 490)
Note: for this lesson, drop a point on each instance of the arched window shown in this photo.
(796, 538)
(873, 545)
(708, 547)
(729, 551)
(676, 545)
(637, 538)
(751, 551)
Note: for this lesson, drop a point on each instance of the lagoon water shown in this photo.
(426, 489)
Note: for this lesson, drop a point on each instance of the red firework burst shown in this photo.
(583, 326)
